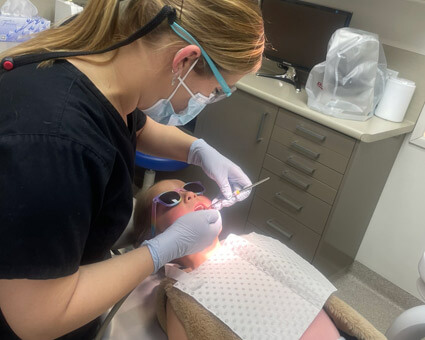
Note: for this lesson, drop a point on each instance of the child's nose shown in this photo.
(189, 195)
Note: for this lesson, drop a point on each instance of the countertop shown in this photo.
(283, 95)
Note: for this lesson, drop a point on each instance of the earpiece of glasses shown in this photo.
(219, 94)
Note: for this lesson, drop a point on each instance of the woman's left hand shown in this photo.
(224, 172)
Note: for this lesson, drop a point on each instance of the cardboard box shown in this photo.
(18, 29)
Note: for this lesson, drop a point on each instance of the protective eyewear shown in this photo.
(214, 97)
(185, 35)
(172, 198)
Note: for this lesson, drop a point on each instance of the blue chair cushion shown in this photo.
(158, 163)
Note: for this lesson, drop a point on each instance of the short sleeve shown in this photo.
(140, 119)
(50, 189)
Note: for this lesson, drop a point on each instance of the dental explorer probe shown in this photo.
(237, 192)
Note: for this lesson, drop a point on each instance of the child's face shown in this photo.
(165, 216)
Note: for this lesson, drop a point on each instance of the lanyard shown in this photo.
(9, 63)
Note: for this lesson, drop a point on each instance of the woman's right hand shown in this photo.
(189, 234)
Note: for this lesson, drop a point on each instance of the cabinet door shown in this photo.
(240, 128)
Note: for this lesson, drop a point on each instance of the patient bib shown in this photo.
(259, 288)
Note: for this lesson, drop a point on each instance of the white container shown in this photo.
(396, 99)
(19, 29)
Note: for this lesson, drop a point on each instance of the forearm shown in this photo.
(102, 285)
(62, 305)
(164, 141)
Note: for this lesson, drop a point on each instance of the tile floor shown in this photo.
(377, 299)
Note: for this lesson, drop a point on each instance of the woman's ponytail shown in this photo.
(96, 27)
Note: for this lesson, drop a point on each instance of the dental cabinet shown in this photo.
(326, 174)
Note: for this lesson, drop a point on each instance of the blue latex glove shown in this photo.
(224, 172)
(189, 234)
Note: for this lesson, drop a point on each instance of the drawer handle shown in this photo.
(295, 181)
(303, 150)
(287, 201)
(299, 166)
(260, 128)
(318, 137)
(277, 227)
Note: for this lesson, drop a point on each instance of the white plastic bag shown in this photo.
(19, 8)
(350, 83)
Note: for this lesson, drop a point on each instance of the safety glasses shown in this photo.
(172, 198)
(214, 97)
(185, 35)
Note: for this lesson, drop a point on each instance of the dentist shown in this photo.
(75, 103)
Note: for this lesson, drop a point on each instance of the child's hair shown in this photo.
(142, 214)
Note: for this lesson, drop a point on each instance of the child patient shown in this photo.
(162, 204)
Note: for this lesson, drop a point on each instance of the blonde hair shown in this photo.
(230, 31)
(142, 215)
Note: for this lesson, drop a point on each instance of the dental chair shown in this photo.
(410, 325)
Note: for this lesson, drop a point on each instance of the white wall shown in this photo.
(399, 23)
(395, 238)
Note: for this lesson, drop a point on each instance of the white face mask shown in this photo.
(163, 112)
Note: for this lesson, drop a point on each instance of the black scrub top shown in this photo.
(66, 173)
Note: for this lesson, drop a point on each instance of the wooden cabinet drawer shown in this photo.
(298, 204)
(315, 132)
(314, 169)
(266, 220)
(310, 149)
(300, 180)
